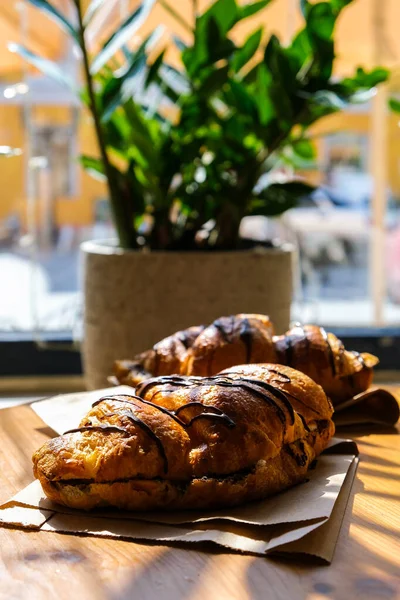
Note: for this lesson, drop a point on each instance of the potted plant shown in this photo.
(187, 151)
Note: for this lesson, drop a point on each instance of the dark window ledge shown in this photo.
(56, 355)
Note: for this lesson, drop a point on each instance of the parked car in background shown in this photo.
(332, 229)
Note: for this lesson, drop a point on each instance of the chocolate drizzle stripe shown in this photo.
(330, 351)
(279, 394)
(174, 380)
(206, 415)
(306, 427)
(104, 428)
(267, 392)
(246, 335)
(220, 326)
(219, 414)
(184, 339)
(288, 349)
(120, 398)
(285, 378)
(137, 421)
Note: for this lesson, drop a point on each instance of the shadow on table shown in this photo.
(356, 560)
(172, 574)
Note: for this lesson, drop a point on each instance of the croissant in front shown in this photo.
(249, 338)
(191, 442)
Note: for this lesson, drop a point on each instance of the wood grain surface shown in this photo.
(39, 565)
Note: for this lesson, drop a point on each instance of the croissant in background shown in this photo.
(191, 442)
(249, 339)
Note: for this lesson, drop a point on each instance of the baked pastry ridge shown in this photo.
(190, 442)
(248, 339)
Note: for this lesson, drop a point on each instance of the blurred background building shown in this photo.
(347, 233)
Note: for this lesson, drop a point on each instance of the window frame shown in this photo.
(22, 356)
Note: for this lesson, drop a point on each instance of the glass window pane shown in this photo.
(49, 205)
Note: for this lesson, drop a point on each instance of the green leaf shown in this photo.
(249, 48)
(300, 47)
(305, 149)
(94, 166)
(224, 12)
(121, 84)
(121, 89)
(238, 96)
(214, 81)
(394, 105)
(140, 134)
(91, 10)
(124, 33)
(321, 21)
(320, 25)
(282, 86)
(217, 45)
(265, 104)
(339, 5)
(248, 10)
(304, 7)
(281, 65)
(211, 42)
(278, 198)
(328, 98)
(45, 66)
(366, 79)
(251, 76)
(154, 67)
(180, 44)
(55, 15)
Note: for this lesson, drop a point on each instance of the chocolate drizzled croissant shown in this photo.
(190, 442)
(249, 339)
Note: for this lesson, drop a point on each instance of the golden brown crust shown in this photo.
(307, 398)
(229, 341)
(248, 339)
(165, 358)
(268, 477)
(129, 372)
(192, 432)
(323, 357)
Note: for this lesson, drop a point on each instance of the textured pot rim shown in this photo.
(109, 247)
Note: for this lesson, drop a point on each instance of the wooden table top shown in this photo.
(366, 564)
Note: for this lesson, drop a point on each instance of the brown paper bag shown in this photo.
(65, 411)
(374, 406)
(305, 519)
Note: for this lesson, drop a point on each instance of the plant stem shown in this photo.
(126, 234)
(266, 153)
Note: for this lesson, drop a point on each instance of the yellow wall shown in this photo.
(76, 211)
(12, 185)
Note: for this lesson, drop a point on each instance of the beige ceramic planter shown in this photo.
(134, 299)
